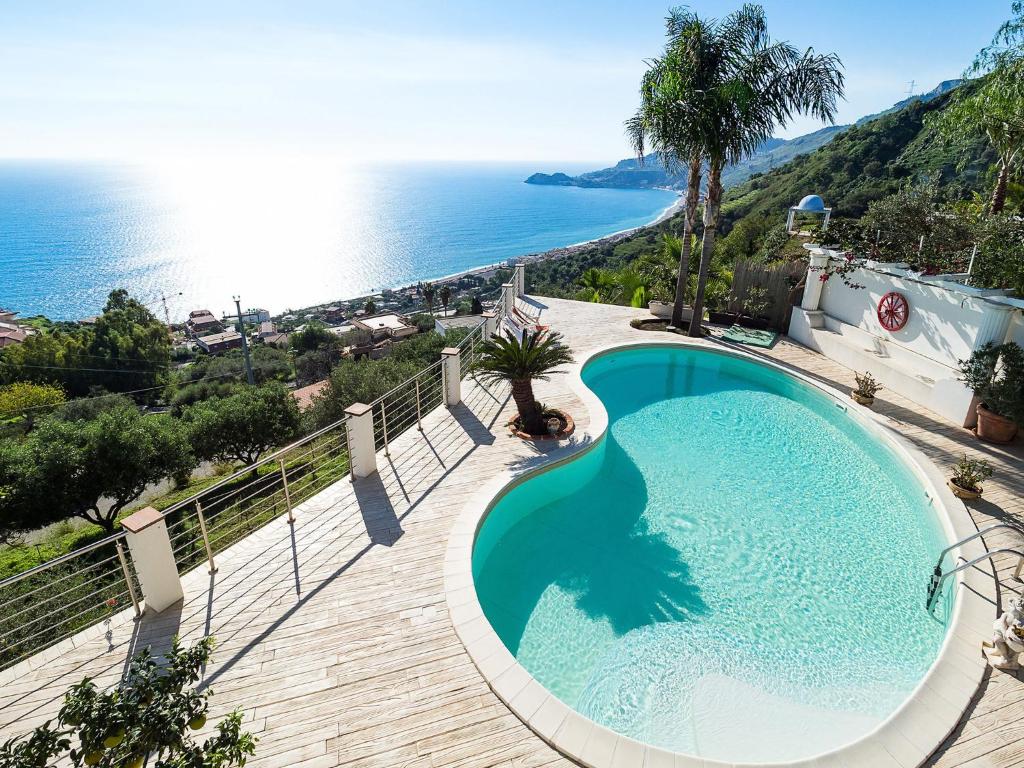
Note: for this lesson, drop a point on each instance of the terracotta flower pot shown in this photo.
(994, 428)
(859, 398)
(963, 493)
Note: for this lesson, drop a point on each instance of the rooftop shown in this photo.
(383, 321)
(334, 636)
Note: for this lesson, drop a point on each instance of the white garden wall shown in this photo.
(947, 321)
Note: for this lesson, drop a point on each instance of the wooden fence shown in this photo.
(777, 279)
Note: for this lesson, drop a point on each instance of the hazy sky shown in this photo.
(528, 80)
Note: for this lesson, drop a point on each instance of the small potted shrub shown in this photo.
(968, 475)
(866, 388)
(755, 308)
(995, 373)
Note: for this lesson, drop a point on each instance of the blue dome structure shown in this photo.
(812, 204)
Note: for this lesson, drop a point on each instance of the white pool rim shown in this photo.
(903, 740)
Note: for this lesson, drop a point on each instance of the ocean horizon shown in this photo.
(282, 235)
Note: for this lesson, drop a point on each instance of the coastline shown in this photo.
(668, 212)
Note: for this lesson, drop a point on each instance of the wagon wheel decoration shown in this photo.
(893, 311)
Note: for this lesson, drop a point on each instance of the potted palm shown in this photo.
(864, 393)
(995, 373)
(520, 363)
(968, 475)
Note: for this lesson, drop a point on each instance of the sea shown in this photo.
(281, 235)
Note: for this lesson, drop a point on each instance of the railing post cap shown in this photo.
(490, 314)
(447, 351)
(358, 409)
(141, 519)
(507, 285)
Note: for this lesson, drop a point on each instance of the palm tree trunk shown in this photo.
(711, 208)
(999, 193)
(689, 219)
(526, 403)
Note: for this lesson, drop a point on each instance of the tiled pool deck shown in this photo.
(335, 638)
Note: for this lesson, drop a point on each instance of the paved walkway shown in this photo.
(334, 637)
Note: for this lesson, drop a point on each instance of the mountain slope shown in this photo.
(633, 174)
(863, 163)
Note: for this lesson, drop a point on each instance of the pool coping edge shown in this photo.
(905, 739)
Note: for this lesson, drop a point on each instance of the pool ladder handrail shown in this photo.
(938, 577)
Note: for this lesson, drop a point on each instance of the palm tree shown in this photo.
(428, 297)
(445, 295)
(521, 362)
(598, 283)
(664, 123)
(718, 92)
(996, 111)
(759, 86)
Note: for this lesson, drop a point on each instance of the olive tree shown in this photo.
(243, 426)
(91, 469)
(149, 716)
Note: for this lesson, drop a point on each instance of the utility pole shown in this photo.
(910, 89)
(167, 313)
(245, 342)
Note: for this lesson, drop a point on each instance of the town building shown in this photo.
(250, 316)
(216, 343)
(201, 322)
(385, 325)
(444, 324)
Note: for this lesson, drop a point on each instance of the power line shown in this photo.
(73, 368)
(118, 394)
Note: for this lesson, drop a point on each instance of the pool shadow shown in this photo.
(595, 546)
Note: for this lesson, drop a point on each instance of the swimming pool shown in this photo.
(734, 571)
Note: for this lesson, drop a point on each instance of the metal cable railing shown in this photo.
(405, 405)
(57, 598)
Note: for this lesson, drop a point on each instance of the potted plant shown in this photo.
(968, 475)
(866, 388)
(521, 362)
(755, 306)
(995, 373)
(663, 310)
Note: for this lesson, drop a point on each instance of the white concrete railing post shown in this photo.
(813, 284)
(153, 558)
(510, 299)
(451, 374)
(519, 278)
(490, 325)
(361, 445)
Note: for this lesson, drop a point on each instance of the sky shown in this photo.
(549, 81)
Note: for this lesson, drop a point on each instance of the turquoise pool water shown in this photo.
(736, 571)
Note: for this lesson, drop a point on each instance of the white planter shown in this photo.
(663, 310)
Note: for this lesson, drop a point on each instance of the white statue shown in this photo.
(1004, 652)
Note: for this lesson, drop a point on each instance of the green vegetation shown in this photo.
(995, 373)
(126, 350)
(149, 715)
(520, 363)
(242, 426)
(90, 469)
(364, 380)
(24, 401)
(715, 96)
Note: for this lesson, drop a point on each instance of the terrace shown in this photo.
(334, 635)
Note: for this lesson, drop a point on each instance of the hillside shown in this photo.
(858, 165)
(632, 174)
(861, 164)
